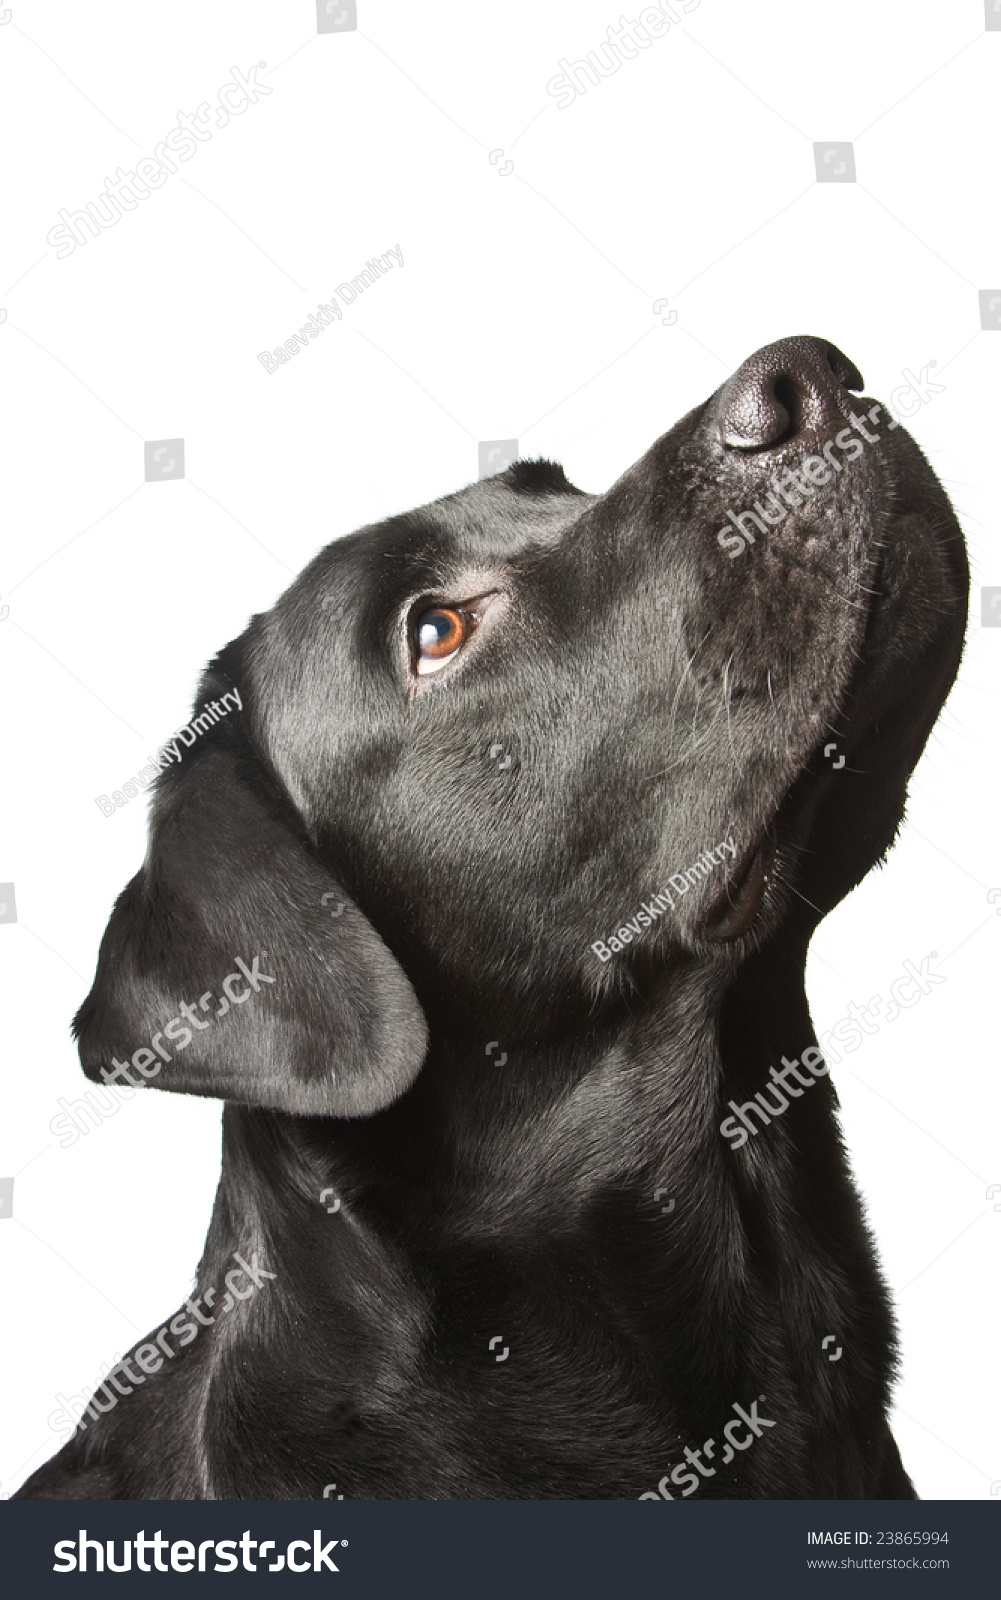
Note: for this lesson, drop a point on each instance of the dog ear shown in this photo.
(233, 964)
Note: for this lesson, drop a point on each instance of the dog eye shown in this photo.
(439, 634)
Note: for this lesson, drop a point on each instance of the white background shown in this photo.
(524, 309)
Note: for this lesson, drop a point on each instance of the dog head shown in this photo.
(490, 731)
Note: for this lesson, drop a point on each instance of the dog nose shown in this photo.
(783, 390)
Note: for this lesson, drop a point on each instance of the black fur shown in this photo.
(632, 697)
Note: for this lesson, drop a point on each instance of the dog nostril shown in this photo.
(845, 371)
(757, 414)
(783, 390)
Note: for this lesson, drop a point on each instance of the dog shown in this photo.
(485, 916)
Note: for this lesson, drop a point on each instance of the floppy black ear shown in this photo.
(234, 965)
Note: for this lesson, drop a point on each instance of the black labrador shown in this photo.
(488, 916)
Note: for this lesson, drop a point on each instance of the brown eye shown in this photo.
(440, 632)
